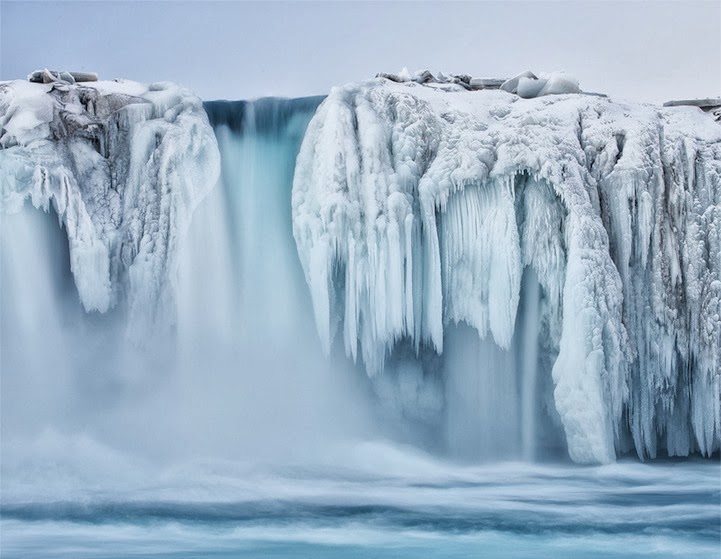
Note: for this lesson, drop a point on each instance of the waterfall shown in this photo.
(245, 331)
(529, 313)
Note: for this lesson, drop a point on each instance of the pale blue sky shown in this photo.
(648, 51)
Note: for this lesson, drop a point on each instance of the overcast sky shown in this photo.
(647, 51)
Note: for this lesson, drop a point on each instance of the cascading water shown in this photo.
(497, 401)
(529, 331)
(493, 395)
(244, 317)
(259, 142)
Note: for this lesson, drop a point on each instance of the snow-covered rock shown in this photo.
(55, 76)
(123, 165)
(527, 85)
(416, 207)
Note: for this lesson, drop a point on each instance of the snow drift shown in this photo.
(123, 165)
(415, 208)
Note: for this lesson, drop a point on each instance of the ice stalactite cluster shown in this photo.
(415, 208)
(123, 165)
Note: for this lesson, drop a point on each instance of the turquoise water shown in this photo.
(404, 505)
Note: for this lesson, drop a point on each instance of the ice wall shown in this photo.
(417, 207)
(123, 165)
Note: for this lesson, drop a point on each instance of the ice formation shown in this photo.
(416, 207)
(123, 165)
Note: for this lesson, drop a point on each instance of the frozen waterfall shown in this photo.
(484, 276)
(417, 207)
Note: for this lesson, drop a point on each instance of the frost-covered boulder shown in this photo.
(415, 208)
(123, 165)
(54, 76)
(528, 85)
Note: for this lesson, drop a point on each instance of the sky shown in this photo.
(644, 51)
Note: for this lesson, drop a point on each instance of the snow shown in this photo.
(123, 165)
(415, 208)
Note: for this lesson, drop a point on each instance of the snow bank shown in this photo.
(416, 207)
(123, 165)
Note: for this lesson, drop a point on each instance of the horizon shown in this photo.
(625, 50)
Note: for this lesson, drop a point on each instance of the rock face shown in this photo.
(417, 207)
(123, 165)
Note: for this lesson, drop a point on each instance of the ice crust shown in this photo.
(123, 165)
(415, 208)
